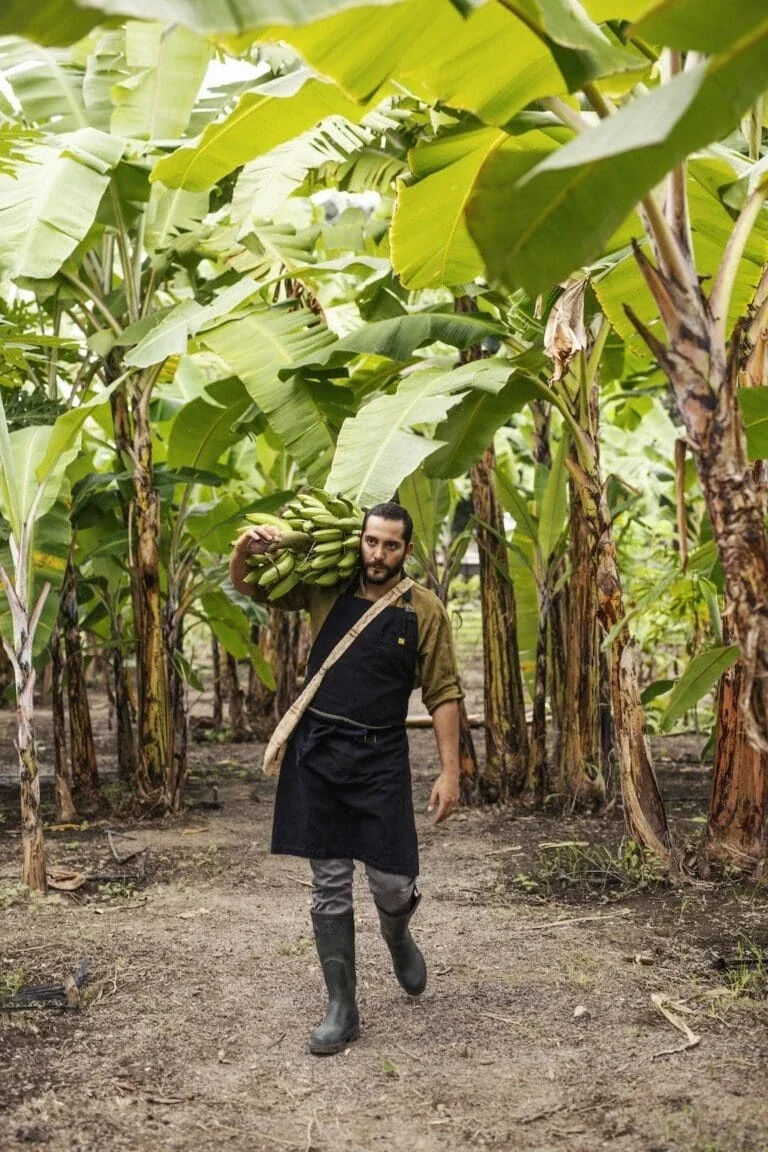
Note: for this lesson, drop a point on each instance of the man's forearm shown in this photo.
(445, 720)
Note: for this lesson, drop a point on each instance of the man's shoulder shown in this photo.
(423, 599)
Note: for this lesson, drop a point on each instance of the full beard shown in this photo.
(380, 574)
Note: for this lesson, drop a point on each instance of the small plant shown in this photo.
(116, 890)
(297, 948)
(748, 977)
(208, 860)
(11, 982)
(11, 894)
(119, 797)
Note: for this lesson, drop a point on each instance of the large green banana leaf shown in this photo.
(379, 446)
(430, 242)
(709, 27)
(711, 176)
(165, 68)
(260, 345)
(701, 675)
(497, 392)
(47, 84)
(65, 21)
(169, 334)
(231, 626)
(268, 180)
(203, 429)
(48, 206)
(275, 112)
(428, 502)
(398, 337)
(536, 229)
(581, 49)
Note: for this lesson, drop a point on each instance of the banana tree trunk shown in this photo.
(237, 718)
(127, 763)
(704, 373)
(505, 770)
(20, 655)
(538, 772)
(738, 810)
(262, 712)
(66, 812)
(218, 698)
(644, 813)
(580, 778)
(176, 764)
(85, 776)
(154, 734)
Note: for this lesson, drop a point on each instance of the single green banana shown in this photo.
(327, 579)
(279, 569)
(322, 563)
(327, 548)
(285, 585)
(268, 518)
(324, 535)
(350, 523)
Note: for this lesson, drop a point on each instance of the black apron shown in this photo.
(344, 789)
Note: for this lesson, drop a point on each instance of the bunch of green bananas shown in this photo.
(320, 543)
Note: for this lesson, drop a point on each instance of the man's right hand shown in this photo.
(261, 538)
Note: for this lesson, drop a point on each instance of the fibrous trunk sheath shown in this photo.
(738, 811)
(505, 770)
(85, 777)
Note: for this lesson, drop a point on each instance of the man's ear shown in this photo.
(408, 549)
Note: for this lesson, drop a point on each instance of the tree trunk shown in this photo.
(85, 777)
(66, 813)
(20, 656)
(127, 763)
(218, 698)
(643, 807)
(580, 778)
(505, 770)
(155, 748)
(262, 713)
(538, 775)
(738, 810)
(704, 375)
(176, 766)
(237, 720)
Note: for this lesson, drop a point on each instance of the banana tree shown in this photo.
(33, 464)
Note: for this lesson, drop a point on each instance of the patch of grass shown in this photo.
(297, 948)
(576, 868)
(120, 798)
(208, 860)
(116, 890)
(11, 982)
(748, 977)
(11, 894)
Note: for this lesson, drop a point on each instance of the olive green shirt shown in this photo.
(436, 672)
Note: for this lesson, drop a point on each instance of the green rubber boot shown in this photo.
(407, 960)
(335, 941)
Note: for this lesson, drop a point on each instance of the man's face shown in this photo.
(383, 549)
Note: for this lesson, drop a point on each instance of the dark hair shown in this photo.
(389, 510)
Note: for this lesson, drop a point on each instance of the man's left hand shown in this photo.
(444, 797)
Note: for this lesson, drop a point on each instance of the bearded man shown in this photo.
(344, 790)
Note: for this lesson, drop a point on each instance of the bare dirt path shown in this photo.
(203, 986)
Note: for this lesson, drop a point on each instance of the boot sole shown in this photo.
(316, 1049)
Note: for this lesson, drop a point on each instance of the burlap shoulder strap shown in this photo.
(275, 750)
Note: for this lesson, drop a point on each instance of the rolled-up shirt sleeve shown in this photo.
(437, 672)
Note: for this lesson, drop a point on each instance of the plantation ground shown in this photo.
(203, 985)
